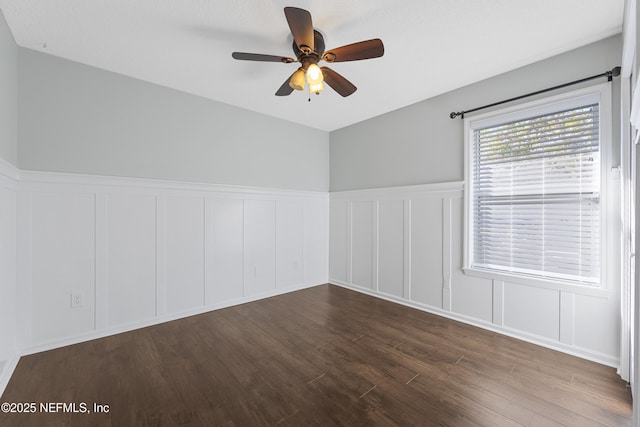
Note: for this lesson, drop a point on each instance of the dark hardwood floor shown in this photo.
(324, 356)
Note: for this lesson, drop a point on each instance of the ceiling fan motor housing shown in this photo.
(315, 53)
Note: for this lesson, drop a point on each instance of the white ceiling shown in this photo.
(431, 46)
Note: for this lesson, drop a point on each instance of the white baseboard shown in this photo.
(530, 338)
(51, 345)
(7, 371)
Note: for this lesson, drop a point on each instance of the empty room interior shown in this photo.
(319, 213)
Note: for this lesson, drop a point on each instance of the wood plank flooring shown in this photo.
(324, 356)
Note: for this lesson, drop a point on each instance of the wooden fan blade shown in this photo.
(356, 51)
(285, 89)
(341, 85)
(260, 57)
(301, 27)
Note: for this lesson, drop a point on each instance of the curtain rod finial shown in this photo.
(615, 72)
(453, 115)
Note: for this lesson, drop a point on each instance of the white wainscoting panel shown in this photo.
(363, 244)
(62, 260)
(141, 252)
(340, 241)
(426, 251)
(8, 274)
(595, 319)
(131, 258)
(315, 241)
(498, 302)
(289, 243)
(533, 310)
(470, 296)
(184, 252)
(225, 271)
(259, 246)
(389, 240)
(391, 247)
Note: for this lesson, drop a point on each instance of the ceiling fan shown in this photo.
(308, 46)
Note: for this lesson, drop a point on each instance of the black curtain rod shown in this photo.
(614, 72)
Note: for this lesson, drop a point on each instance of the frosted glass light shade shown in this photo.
(297, 80)
(316, 88)
(314, 74)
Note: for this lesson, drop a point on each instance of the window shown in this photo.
(534, 191)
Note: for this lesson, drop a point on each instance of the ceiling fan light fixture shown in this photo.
(314, 74)
(297, 79)
(316, 88)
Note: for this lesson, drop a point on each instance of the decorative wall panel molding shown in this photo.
(87, 256)
(406, 244)
(9, 353)
(102, 255)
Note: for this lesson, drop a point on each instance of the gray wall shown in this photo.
(420, 144)
(8, 95)
(76, 118)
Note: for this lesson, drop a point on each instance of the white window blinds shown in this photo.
(535, 201)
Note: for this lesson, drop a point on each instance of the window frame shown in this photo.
(598, 93)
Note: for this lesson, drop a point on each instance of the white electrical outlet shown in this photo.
(77, 300)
